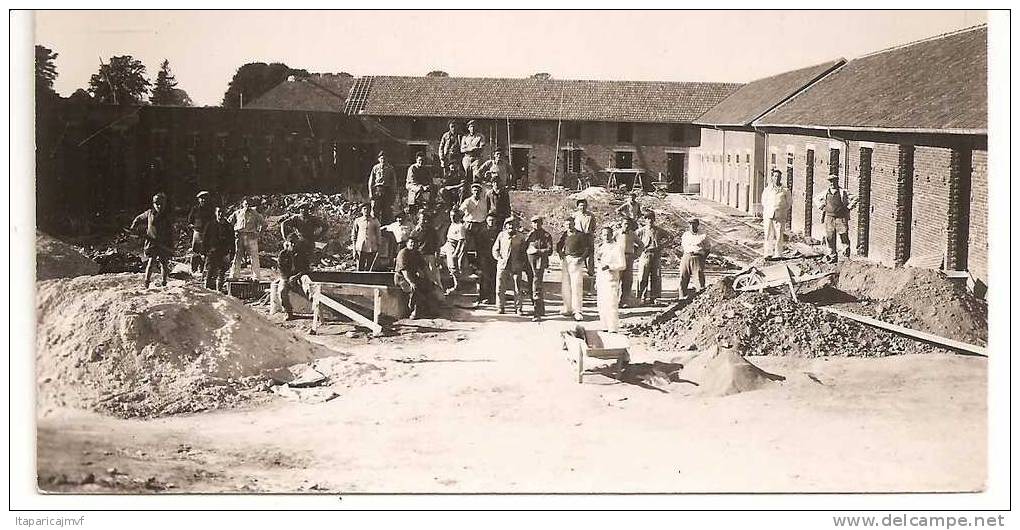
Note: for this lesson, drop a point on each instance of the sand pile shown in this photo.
(103, 343)
(920, 299)
(772, 324)
(723, 371)
(56, 259)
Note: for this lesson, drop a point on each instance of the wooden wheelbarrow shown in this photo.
(598, 345)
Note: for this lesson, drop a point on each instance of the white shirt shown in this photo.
(692, 243)
(612, 254)
(475, 210)
(775, 203)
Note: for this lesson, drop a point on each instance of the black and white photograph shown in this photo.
(421, 255)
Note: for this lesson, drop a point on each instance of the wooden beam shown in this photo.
(348, 312)
(913, 333)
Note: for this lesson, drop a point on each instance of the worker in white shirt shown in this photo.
(365, 235)
(775, 210)
(835, 204)
(248, 224)
(611, 261)
(696, 247)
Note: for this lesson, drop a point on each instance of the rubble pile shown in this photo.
(772, 324)
(56, 259)
(920, 299)
(104, 343)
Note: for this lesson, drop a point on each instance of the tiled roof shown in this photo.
(935, 85)
(318, 92)
(758, 97)
(542, 99)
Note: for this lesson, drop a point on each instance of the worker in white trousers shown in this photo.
(775, 210)
(572, 248)
(610, 261)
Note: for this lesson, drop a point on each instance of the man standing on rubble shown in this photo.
(248, 224)
(418, 183)
(218, 243)
(835, 204)
(199, 218)
(696, 247)
(293, 265)
(382, 184)
(449, 151)
(365, 235)
(775, 210)
(539, 247)
(511, 264)
(472, 147)
(497, 170)
(651, 239)
(156, 227)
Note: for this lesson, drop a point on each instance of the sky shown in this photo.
(205, 48)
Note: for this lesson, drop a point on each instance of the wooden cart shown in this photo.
(759, 279)
(581, 343)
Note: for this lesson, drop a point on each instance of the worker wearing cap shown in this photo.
(248, 224)
(475, 208)
(382, 183)
(449, 150)
(497, 169)
(775, 212)
(199, 218)
(835, 204)
(511, 264)
(651, 240)
(696, 246)
(365, 236)
(539, 247)
(156, 226)
(418, 183)
(472, 148)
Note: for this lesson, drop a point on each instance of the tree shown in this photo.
(120, 82)
(165, 92)
(437, 73)
(541, 75)
(254, 79)
(45, 72)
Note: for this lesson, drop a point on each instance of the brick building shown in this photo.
(906, 129)
(731, 160)
(594, 124)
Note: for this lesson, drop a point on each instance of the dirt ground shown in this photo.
(490, 403)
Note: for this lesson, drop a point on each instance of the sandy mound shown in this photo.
(106, 344)
(772, 324)
(56, 259)
(916, 298)
(723, 371)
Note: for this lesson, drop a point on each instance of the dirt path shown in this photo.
(499, 410)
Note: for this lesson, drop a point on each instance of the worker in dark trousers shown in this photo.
(156, 228)
(293, 264)
(200, 216)
(539, 247)
(411, 274)
(835, 204)
(219, 250)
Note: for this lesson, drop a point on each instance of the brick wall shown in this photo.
(930, 206)
(884, 172)
(977, 254)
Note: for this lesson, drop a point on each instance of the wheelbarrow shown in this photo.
(759, 279)
(598, 345)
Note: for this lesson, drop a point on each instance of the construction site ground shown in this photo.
(482, 402)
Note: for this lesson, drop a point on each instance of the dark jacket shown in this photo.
(292, 262)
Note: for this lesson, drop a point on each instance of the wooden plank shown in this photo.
(348, 312)
(913, 333)
(315, 293)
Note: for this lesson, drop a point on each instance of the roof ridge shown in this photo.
(921, 41)
(555, 80)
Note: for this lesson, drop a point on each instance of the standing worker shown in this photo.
(486, 265)
(835, 204)
(650, 240)
(293, 264)
(449, 153)
(199, 218)
(585, 223)
(218, 243)
(628, 228)
(365, 236)
(573, 250)
(472, 147)
(499, 202)
(454, 248)
(696, 247)
(775, 211)
(497, 170)
(539, 247)
(306, 228)
(511, 264)
(611, 261)
(156, 227)
(382, 185)
(248, 224)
